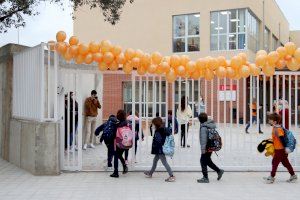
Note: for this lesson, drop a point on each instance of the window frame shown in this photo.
(186, 34)
(274, 38)
(267, 31)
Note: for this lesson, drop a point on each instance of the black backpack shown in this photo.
(214, 140)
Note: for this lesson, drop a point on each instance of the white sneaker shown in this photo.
(109, 169)
(92, 146)
(292, 179)
(84, 147)
(269, 179)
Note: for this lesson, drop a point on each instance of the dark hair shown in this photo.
(112, 116)
(121, 115)
(203, 117)
(157, 122)
(275, 117)
(183, 102)
(169, 112)
(93, 92)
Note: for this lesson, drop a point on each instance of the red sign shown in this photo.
(227, 87)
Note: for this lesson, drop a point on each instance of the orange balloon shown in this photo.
(180, 70)
(121, 59)
(191, 67)
(273, 57)
(108, 57)
(244, 58)
(61, 36)
(174, 61)
(152, 68)
(135, 62)
(171, 76)
(88, 58)
(156, 57)
(288, 57)
(129, 54)
(290, 48)
(261, 60)
(73, 40)
(61, 47)
(98, 57)
(114, 66)
(127, 68)
(141, 71)
(139, 54)
(221, 72)
(68, 56)
(94, 47)
(146, 60)
(102, 66)
(230, 73)
(212, 63)
(167, 59)
(221, 61)
(293, 65)
(254, 71)
(280, 64)
(268, 70)
(79, 59)
(297, 55)
(165, 67)
(105, 46)
(184, 59)
(282, 52)
(51, 45)
(236, 62)
(195, 75)
(244, 71)
(116, 50)
(209, 75)
(261, 52)
(74, 50)
(83, 49)
(201, 63)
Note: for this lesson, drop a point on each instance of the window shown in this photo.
(228, 30)
(274, 42)
(267, 39)
(252, 31)
(186, 37)
(127, 98)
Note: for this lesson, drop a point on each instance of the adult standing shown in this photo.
(91, 106)
(73, 112)
(184, 114)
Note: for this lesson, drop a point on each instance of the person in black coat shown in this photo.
(71, 109)
(157, 149)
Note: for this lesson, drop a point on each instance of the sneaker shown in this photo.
(92, 146)
(171, 179)
(292, 179)
(125, 170)
(203, 180)
(147, 174)
(188, 146)
(220, 174)
(246, 131)
(260, 132)
(109, 169)
(113, 175)
(269, 179)
(84, 147)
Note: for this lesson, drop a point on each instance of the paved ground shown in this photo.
(16, 184)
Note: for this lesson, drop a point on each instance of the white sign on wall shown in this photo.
(226, 93)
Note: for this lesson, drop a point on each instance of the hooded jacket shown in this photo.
(203, 134)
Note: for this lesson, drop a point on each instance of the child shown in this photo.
(109, 129)
(170, 121)
(280, 155)
(157, 149)
(205, 159)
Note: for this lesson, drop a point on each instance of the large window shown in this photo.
(186, 36)
(252, 31)
(274, 42)
(267, 39)
(228, 30)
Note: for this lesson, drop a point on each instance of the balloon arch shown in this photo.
(112, 57)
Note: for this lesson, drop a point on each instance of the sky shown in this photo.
(43, 27)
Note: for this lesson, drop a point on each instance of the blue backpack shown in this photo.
(290, 140)
(169, 146)
(109, 131)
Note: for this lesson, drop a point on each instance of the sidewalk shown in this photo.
(17, 184)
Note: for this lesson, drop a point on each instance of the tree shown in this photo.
(12, 12)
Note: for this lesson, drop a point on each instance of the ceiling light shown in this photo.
(197, 15)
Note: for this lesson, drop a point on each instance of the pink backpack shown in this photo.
(124, 138)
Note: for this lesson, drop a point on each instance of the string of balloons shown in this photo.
(112, 57)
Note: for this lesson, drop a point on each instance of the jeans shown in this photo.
(90, 125)
(254, 119)
(163, 160)
(110, 154)
(183, 134)
(205, 161)
(118, 156)
(281, 157)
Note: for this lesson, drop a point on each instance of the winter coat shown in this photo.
(184, 116)
(110, 125)
(203, 133)
(159, 140)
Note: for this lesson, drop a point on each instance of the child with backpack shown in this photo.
(160, 135)
(122, 141)
(109, 129)
(209, 141)
(282, 149)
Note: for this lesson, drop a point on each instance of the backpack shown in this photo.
(108, 132)
(214, 140)
(290, 140)
(169, 146)
(124, 138)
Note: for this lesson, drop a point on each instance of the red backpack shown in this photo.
(124, 137)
